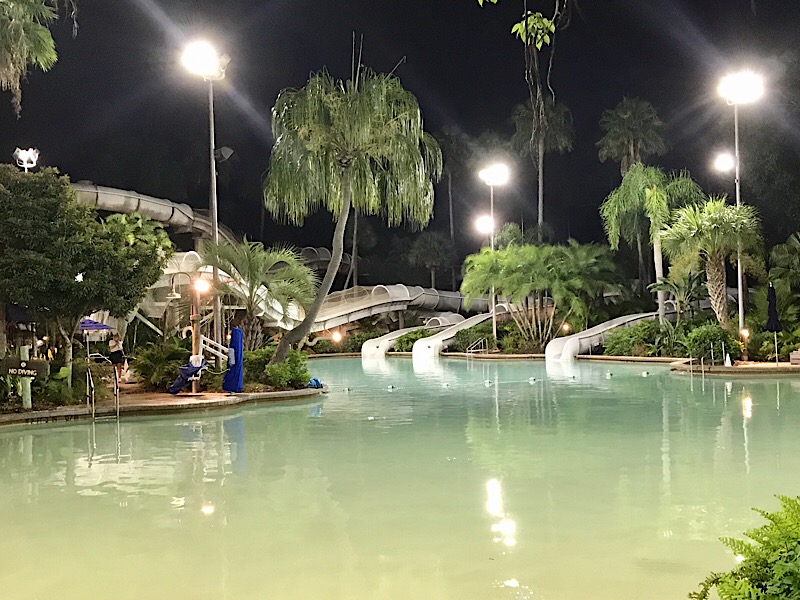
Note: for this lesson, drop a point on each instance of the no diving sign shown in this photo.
(24, 368)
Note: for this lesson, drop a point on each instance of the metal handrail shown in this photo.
(90, 397)
(479, 345)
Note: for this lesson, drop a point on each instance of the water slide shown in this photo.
(380, 346)
(568, 347)
(432, 346)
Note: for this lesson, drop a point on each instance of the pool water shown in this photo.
(452, 480)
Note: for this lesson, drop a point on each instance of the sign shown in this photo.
(24, 368)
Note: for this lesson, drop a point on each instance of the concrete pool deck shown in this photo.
(134, 401)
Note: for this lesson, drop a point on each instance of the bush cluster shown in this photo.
(157, 364)
(350, 344)
(649, 338)
(255, 364)
(406, 341)
(291, 373)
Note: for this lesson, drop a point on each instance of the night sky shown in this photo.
(118, 109)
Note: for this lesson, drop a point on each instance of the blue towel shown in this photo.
(233, 381)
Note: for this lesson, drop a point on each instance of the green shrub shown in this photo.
(770, 565)
(700, 340)
(511, 340)
(353, 342)
(325, 346)
(291, 373)
(157, 364)
(636, 340)
(406, 341)
(466, 337)
(255, 364)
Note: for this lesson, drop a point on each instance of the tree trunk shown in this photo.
(715, 279)
(540, 170)
(433, 277)
(67, 337)
(298, 333)
(3, 325)
(452, 230)
(658, 264)
(252, 332)
(642, 270)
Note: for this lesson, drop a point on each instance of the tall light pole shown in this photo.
(744, 87)
(496, 174)
(201, 58)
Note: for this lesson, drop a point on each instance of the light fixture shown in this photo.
(496, 174)
(566, 327)
(26, 159)
(174, 294)
(724, 162)
(484, 224)
(743, 87)
(336, 337)
(201, 286)
(201, 58)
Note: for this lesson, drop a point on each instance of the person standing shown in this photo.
(116, 354)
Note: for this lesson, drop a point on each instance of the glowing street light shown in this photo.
(724, 162)
(496, 174)
(744, 87)
(484, 224)
(26, 159)
(201, 58)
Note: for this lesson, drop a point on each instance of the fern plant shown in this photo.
(770, 564)
(157, 364)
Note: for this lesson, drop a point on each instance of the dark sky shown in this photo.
(119, 109)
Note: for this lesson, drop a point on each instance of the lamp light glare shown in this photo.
(724, 162)
(484, 224)
(201, 286)
(566, 327)
(745, 332)
(496, 174)
(744, 87)
(336, 337)
(201, 58)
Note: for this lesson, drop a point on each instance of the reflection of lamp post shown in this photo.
(201, 58)
(200, 286)
(496, 174)
(26, 159)
(744, 87)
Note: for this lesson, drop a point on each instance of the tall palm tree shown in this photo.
(359, 142)
(632, 132)
(711, 234)
(260, 277)
(25, 41)
(432, 250)
(455, 145)
(645, 197)
(536, 135)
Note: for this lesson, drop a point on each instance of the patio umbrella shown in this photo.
(773, 322)
(89, 325)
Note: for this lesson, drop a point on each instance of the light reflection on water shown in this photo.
(457, 479)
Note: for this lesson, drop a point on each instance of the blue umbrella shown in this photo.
(87, 325)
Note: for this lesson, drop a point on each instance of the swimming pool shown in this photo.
(456, 480)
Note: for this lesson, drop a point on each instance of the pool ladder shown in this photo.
(90, 393)
(478, 346)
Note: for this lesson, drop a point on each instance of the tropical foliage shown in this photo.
(259, 278)
(769, 563)
(432, 250)
(156, 365)
(544, 286)
(640, 207)
(711, 234)
(406, 341)
(339, 144)
(632, 132)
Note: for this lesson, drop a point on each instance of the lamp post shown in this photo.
(199, 286)
(496, 174)
(201, 58)
(744, 87)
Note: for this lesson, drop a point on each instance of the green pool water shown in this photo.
(454, 480)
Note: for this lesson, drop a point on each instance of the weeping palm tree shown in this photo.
(534, 136)
(261, 279)
(25, 41)
(645, 198)
(432, 250)
(359, 142)
(711, 234)
(632, 132)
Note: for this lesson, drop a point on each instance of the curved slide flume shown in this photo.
(568, 347)
(432, 346)
(381, 345)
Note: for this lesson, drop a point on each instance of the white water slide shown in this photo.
(568, 347)
(432, 346)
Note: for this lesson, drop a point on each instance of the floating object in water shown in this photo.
(645, 373)
(391, 388)
(487, 382)
(608, 374)
(370, 418)
(446, 385)
(531, 380)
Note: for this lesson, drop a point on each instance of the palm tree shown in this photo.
(340, 143)
(455, 146)
(432, 250)
(711, 234)
(646, 196)
(260, 277)
(685, 287)
(632, 132)
(534, 136)
(25, 40)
